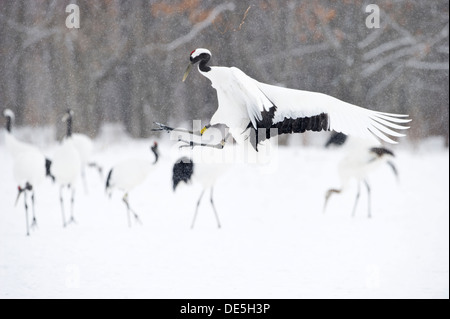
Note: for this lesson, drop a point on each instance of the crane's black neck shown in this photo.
(203, 60)
(8, 124)
(203, 65)
(69, 126)
(155, 151)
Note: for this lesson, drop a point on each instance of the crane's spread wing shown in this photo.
(296, 111)
(282, 111)
(250, 95)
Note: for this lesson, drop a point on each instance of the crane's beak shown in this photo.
(188, 69)
(18, 195)
(65, 117)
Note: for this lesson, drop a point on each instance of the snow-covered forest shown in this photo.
(125, 62)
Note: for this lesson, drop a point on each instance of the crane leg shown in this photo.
(327, 197)
(192, 144)
(125, 200)
(129, 210)
(168, 129)
(214, 208)
(26, 211)
(72, 201)
(368, 199)
(34, 221)
(356, 200)
(61, 200)
(196, 210)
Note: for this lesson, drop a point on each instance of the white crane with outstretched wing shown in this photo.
(246, 103)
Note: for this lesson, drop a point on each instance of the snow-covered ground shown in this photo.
(275, 242)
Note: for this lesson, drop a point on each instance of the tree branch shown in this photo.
(196, 29)
(387, 47)
(420, 65)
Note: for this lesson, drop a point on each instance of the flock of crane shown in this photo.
(252, 111)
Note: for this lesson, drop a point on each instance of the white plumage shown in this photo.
(66, 163)
(13, 145)
(246, 103)
(85, 147)
(66, 166)
(128, 174)
(29, 166)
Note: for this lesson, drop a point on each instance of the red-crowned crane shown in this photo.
(206, 174)
(129, 174)
(29, 167)
(247, 106)
(361, 160)
(66, 167)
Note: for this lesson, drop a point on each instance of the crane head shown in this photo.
(196, 56)
(8, 113)
(67, 115)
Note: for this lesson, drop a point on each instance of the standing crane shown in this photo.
(30, 167)
(361, 160)
(66, 167)
(127, 175)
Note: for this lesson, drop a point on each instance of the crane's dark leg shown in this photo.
(393, 167)
(368, 199)
(26, 211)
(129, 210)
(192, 144)
(125, 200)
(34, 221)
(357, 199)
(72, 201)
(214, 208)
(168, 129)
(61, 200)
(196, 210)
(327, 197)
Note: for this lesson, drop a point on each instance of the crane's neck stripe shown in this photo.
(203, 67)
(155, 152)
(8, 123)
(69, 127)
(108, 179)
